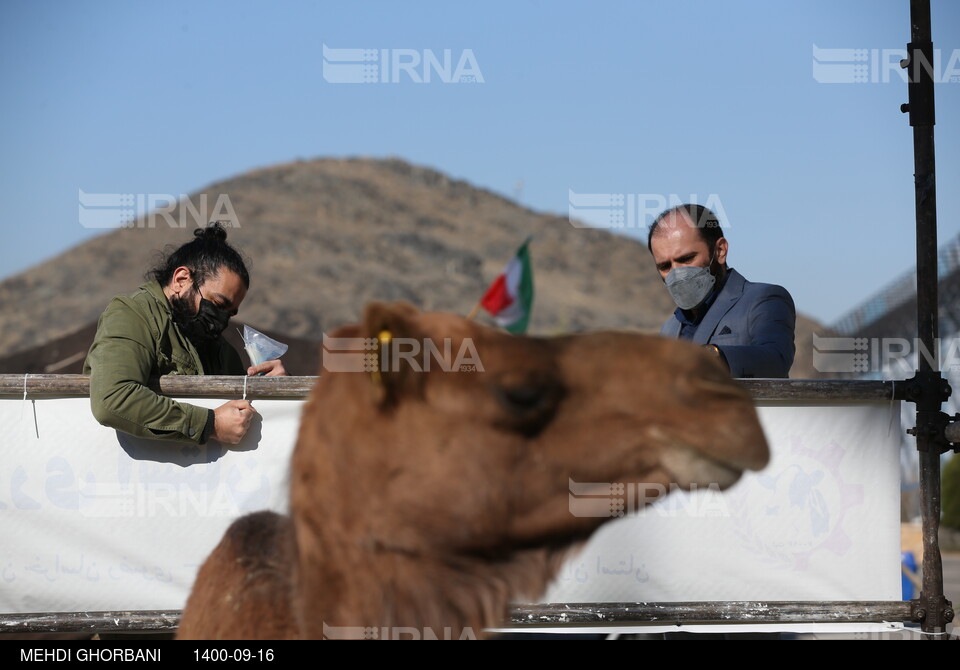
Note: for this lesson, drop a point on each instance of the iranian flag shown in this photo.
(510, 296)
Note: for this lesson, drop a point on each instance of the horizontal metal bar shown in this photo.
(126, 621)
(184, 386)
(553, 614)
(711, 612)
(823, 389)
(181, 386)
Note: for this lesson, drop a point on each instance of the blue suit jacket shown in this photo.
(752, 324)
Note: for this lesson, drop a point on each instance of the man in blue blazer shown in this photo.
(750, 326)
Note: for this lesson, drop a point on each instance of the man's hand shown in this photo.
(270, 369)
(231, 421)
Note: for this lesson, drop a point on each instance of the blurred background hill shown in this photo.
(322, 238)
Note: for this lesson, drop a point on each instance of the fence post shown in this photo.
(928, 388)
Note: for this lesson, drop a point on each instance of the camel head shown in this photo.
(444, 437)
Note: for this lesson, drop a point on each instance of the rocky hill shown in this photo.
(323, 237)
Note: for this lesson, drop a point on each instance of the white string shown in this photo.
(893, 407)
(36, 427)
(23, 404)
(245, 388)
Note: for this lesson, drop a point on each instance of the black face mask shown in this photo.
(202, 327)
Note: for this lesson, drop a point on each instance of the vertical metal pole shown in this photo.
(932, 605)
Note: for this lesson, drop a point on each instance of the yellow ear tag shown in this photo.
(384, 338)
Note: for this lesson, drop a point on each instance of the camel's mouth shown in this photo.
(688, 467)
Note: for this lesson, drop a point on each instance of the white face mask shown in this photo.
(689, 286)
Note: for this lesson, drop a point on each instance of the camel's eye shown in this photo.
(523, 398)
(529, 407)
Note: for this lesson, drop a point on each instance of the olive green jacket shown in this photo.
(137, 340)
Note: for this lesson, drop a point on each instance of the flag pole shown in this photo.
(473, 312)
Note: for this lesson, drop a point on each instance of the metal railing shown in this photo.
(553, 615)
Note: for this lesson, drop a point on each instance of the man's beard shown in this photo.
(202, 326)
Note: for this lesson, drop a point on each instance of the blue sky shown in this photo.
(657, 99)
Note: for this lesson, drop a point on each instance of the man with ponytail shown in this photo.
(173, 324)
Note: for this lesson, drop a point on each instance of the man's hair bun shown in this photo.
(204, 255)
(213, 232)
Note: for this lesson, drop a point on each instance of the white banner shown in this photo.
(95, 520)
(820, 522)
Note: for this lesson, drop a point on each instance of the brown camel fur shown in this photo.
(432, 500)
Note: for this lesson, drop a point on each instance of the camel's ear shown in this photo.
(398, 366)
